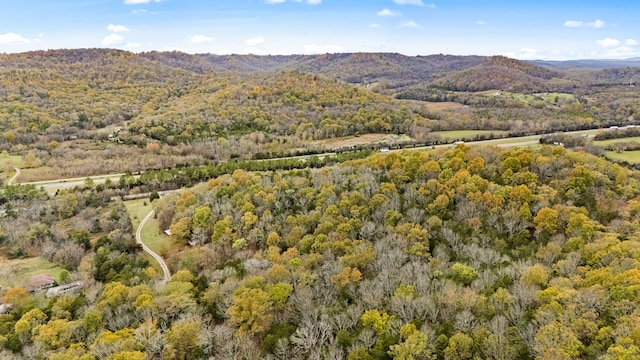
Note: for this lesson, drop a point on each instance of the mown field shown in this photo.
(631, 156)
(552, 98)
(618, 140)
(628, 156)
(466, 134)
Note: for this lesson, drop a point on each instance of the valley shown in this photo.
(343, 206)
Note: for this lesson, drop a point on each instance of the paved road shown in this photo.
(163, 265)
(73, 182)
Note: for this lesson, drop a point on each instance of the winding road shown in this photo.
(158, 258)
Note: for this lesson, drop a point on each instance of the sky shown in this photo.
(531, 29)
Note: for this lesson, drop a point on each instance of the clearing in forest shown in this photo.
(15, 272)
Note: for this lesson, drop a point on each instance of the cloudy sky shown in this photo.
(538, 29)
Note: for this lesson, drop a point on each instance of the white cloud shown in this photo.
(387, 12)
(274, 1)
(594, 24)
(480, 22)
(113, 39)
(608, 42)
(254, 41)
(13, 38)
(409, 2)
(201, 39)
(374, 25)
(117, 28)
(620, 52)
(138, 2)
(631, 42)
(321, 49)
(310, 2)
(410, 24)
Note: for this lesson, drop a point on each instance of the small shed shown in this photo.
(5, 308)
(70, 288)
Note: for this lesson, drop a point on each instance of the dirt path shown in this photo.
(14, 177)
(163, 265)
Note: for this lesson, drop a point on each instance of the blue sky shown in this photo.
(539, 29)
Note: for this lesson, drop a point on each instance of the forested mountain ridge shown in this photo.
(391, 69)
(62, 106)
(499, 73)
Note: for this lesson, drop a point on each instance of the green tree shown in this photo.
(463, 274)
(181, 231)
(67, 204)
(182, 338)
(377, 320)
(202, 217)
(413, 346)
(546, 221)
(251, 310)
(460, 347)
(557, 341)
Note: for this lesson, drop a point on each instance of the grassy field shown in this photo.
(441, 106)
(363, 139)
(628, 156)
(613, 141)
(7, 163)
(151, 236)
(530, 99)
(16, 272)
(466, 134)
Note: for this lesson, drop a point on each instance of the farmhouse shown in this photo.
(39, 282)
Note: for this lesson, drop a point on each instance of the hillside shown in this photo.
(498, 73)
(93, 89)
(387, 70)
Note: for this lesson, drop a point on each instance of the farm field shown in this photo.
(549, 97)
(628, 156)
(364, 139)
(466, 134)
(613, 141)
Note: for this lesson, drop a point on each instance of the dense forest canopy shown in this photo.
(471, 252)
